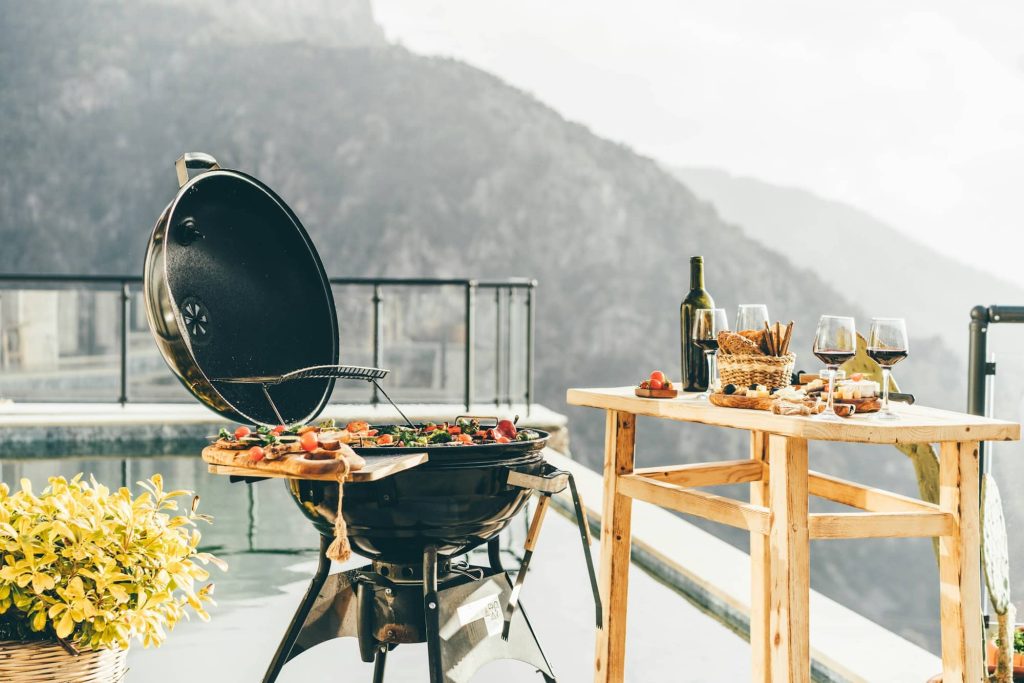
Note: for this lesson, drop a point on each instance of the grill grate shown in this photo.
(370, 375)
(312, 372)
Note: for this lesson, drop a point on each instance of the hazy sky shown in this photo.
(913, 111)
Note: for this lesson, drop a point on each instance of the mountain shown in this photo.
(857, 253)
(402, 165)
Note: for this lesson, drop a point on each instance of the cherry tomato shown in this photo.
(658, 375)
(455, 430)
(507, 428)
(657, 384)
(256, 454)
(430, 428)
(385, 440)
(279, 429)
(242, 432)
(309, 442)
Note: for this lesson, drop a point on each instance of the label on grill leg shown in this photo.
(487, 608)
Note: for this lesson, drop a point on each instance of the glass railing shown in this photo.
(83, 338)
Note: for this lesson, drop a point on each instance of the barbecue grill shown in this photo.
(227, 249)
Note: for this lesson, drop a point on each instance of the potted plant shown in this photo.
(1018, 652)
(84, 571)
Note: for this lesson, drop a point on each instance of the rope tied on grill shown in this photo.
(340, 550)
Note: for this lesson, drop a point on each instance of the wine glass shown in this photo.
(707, 323)
(834, 343)
(887, 346)
(751, 316)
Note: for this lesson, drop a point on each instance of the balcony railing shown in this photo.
(75, 338)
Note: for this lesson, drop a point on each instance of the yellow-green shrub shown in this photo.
(98, 567)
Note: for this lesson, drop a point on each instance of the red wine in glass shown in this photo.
(835, 342)
(887, 346)
(887, 357)
(707, 345)
(832, 357)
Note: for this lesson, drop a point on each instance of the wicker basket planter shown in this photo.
(744, 370)
(48, 662)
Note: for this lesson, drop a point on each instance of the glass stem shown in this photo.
(885, 389)
(831, 389)
(711, 369)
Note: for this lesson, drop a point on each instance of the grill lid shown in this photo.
(249, 293)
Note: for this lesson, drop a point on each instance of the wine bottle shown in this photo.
(695, 366)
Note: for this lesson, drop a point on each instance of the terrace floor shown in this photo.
(258, 531)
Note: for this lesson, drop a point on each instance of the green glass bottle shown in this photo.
(695, 366)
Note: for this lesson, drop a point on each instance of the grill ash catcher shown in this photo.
(227, 245)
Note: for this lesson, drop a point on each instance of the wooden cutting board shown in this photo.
(376, 467)
(297, 465)
(857, 406)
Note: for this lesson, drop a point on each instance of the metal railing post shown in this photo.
(530, 332)
(470, 336)
(977, 361)
(126, 298)
(508, 346)
(378, 336)
(497, 346)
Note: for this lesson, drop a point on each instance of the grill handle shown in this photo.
(191, 161)
(553, 480)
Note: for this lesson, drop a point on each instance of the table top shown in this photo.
(917, 424)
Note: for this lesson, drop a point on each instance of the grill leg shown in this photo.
(494, 554)
(285, 648)
(378, 664)
(584, 527)
(431, 614)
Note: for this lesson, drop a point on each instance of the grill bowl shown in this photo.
(457, 500)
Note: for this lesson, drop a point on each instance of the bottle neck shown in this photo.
(697, 275)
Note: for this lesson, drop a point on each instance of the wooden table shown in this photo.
(779, 524)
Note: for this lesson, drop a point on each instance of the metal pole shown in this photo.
(126, 298)
(378, 336)
(529, 344)
(508, 346)
(977, 361)
(497, 346)
(470, 333)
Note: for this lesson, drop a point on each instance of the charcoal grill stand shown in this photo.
(467, 615)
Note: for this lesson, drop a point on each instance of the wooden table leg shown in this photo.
(620, 433)
(789, 561)
(760, 578)
(959, 565)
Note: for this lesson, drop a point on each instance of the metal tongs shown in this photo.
(370, 375)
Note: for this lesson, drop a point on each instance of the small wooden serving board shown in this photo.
(657, 393)
(376, 467)
(748, 402)
(863, 405)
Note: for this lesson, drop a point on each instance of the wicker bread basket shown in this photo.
(48, 662)
(744, 370)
